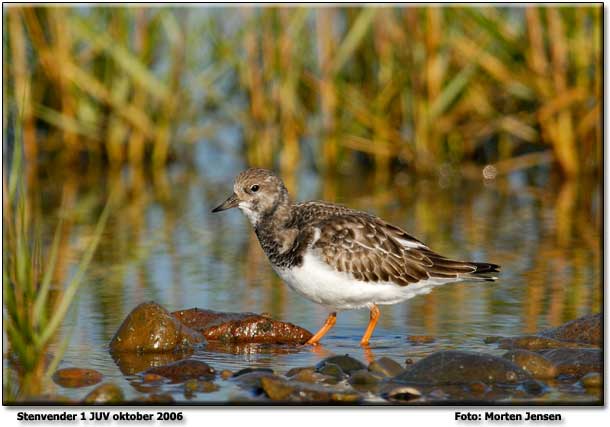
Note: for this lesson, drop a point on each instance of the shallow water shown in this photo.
(163, 244)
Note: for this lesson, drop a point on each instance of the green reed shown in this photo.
(418, 86)
(35, 304)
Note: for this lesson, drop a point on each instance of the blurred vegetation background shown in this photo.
(415, 88)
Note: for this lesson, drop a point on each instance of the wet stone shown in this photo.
(225, 374)
(184, 370)
(534, 342)
(76, 377)
(191, 386)
(242, 327)
(460, 367)
(332, 370)
(592, 380)
(151, 328)
(586, 330)
(575, 361)
(105, 393)
(281, 390)
(386, 367)
(533, 387)
(363, 377)
(152, 378)
(250, 370)
(252, 380)
(346, 363)
(537, 365)
(295, 371)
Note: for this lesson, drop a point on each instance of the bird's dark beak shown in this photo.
(231, 202)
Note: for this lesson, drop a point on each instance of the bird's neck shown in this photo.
(276, 231)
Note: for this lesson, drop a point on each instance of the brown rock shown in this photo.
(461, 367)
(592, 380)
(241, 327)
(184, 370)
(537, 365)
(575, 361)
(76, 377)
(278, 389)
(225, 374)
(586, 329)
(386, 367)
(105, 393)
(151, 328)
(535, 342)
(346, 363)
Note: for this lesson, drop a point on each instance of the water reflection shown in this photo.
(162, 244)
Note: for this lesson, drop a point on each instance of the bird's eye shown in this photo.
(254, 188)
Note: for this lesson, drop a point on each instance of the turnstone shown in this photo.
(339, 257)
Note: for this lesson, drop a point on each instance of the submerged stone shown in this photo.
(536, 364)
(460, 367)
(278, 389)
(575, 361)
(76, 377)
(346, 363)
(250, 370)
(592, 380)
(241, 327)
(586, 330)
(184, 370)
(386, 367)
(534, 342)
(105, 393)
(151, 328)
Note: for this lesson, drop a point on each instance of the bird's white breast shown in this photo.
(322, 284)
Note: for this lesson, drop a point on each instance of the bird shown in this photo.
(342, 258)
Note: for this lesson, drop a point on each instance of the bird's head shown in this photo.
(257, 192)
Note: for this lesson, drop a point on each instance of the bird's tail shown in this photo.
(484, 271)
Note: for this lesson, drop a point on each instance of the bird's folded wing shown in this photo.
(373, 250)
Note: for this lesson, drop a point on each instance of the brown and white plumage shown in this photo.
(339, 257)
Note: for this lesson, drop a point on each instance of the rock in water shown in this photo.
(534, 363)
(346, 363)
(241, 327)
(151, 328)
(386, 367)
(461, 367)
(76, 377)
(105, 393)
(586, 329)
(184, 370)
(575, 361)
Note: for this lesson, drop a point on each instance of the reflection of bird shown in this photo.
(338, 257)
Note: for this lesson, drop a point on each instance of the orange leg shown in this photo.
(371, 327)
(330, 322)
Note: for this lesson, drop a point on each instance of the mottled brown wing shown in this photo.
(375, 251)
